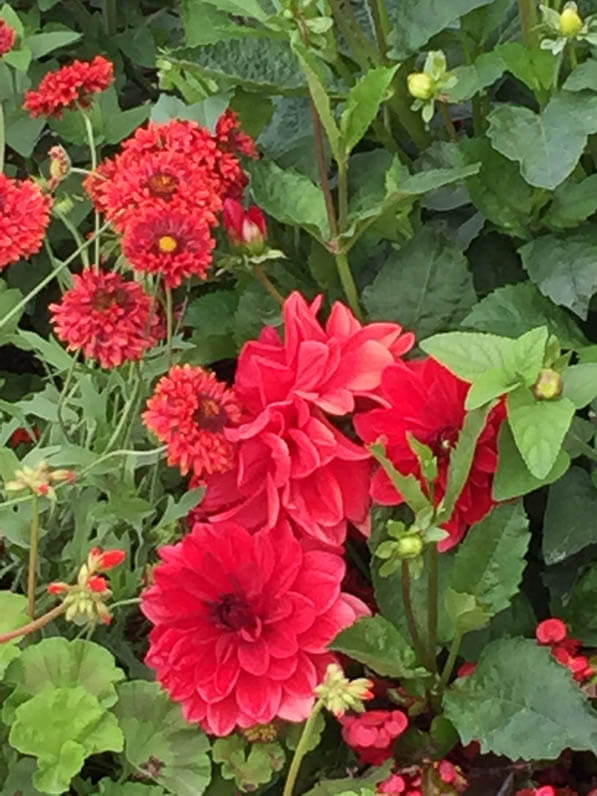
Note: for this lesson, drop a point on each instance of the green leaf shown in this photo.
(51, 351)
(9, 298)
(8, 14)
(107, 787)
(522, 704)
(583, 77)
(471, 79)
(513, 478)
(566, 531)
(407, 485)
(547, 145)
(176, 509)
(579, 611)
(534, 67)
(20, 58)
(377, 643)
(157, 738)
(248, 768)
(289, 197)
(212, 313)
(61, 727)
(13, 614)
(58, 663)
(361, 786)
(580, 384)
(514, 309)
(41, 44)
(22, 131)
(240, 8)
(564, 269)
(465, 611)
(119, 125)
(426, 285)
(490, 560)
(538, 428)
(363, 102)
(321, 100)
(205, 24)
(572, 203)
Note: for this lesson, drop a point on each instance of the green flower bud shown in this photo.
(410, 546)
(548, 386)
(421, 86)
(570, 20)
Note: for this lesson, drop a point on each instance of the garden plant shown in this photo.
(298, 397)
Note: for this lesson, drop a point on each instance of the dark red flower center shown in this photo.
(232, 612)
(210, 415)
(162, 185)
(104, 299)
(444, 441)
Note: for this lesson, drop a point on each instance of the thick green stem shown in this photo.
(109, 16)
(380, 21)
(33, 556)
(528, 20)
(410, 615)
(301, 750)
(259, 272)
(348, 284)
(449, 665)
(169, 322)
(42, 621)
(572, 55)
(96, 216)
(432, 604)
(449, 124)
(2, 137)
(76, 237)
(342, 196)
(323, 172)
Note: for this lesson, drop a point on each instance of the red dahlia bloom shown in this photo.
(24, 218)
(176, 244)
(372, 734)
(106, 317)
(427, 401)
(70, 86)
(245, 228)
(189, 411)
(8, 36)
(242, 623)
(551, 631)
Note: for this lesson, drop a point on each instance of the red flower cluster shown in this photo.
(70, 86)
(8, 36)
(424, 399)
(24, 218)
(447, 778)
(547, 790)
(554, 633)
(107, 317)
(372, 734)
(242, 622)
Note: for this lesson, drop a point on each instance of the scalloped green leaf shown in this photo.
(13, 614)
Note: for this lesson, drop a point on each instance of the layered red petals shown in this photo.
(242, 622)
(372, 734)
(24, 218)
(69, 86)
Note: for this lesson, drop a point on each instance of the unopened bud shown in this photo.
(57, 587)
(59, 165)
(570, 20)
(340, 694)
(549, 385)
(421, 85)
(97, 584)
(410, 546)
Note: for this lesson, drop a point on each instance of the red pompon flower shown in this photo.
(70, 86)
(245, 228)
(242, 624)
(327, 367)
(189, 411)
(551, 631)
(108, 559)
(108, 318)
(8, 36)
(97, 584)
(372, 734)
(24, 218)
(172, 243)
(426, 400)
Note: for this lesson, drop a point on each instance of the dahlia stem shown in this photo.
(38, 623)
(169, 323)
(76, 237)
(259, 272)
(410, 615)
(449, 124)
(2, 137)
(432, 604)
(528, 20)
(301, 749)
(449, 665)
(109, 15)
(33, 556)
(96, 217)
(348, 284)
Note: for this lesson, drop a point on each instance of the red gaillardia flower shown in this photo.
(24, 218)
(189, 411)
(232, 142)
(107, 317)
(8, 36)
(242, 623)
(169, 242)
(424, 399)
(70, 86)
(372, 734)
(246, 229)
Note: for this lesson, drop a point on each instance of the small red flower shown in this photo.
(8, 37)
(466, 669)
(372, 734)
(24, 218)
(97, 584)
(172, 243)
(57, 588)
(70, 86)
(21, 436)
(108, 559)
(108, 318)
(189, 411)
(551, 631)
(245, 228)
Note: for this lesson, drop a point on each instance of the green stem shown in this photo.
(125, 414)
(432, 604)
(323, 172)
(528, 20)
(122, 603)
(380, 19)
(96, 216)
(449, 665)
(449, 124)
(301, 749)
(109, 16)
(269, 286)
(76, 236)
(42, 621)
(357, 51)
(342, 196)
(62, 398)
(33, 556)
(348, 284)
(410, 615)
(2, 137)
(572, 55)
(169, 323)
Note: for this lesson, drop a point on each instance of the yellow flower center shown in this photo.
(167, 244)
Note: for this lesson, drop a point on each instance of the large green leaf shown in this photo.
(62, 727)
(158, 739)
(572, 203)
(206, 24)
(547, 145)
(41, 44)
(107, 787)
(579, 611)
(580, 383)
(514, 309)
(376, 642)
(565, 532)
(522, 704)
(362, 104)
(564, 269)
(13, 614)
(240, 8)
(490, 561)
(538, 428)
(426, 286)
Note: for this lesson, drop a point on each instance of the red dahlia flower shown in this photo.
(427, 401)
(372, 734)
(8, 36)
(108, 318)
(189, 411)
(242, 623)
(169, 242)
(70, 86)
(24, 218)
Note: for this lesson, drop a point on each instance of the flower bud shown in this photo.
(110, 559)
(97, 584)
(549, 385)
(340, 694)
(410, 546)
(57, 587)
(570, 20)
(421, 85)
(246, 229)
(59, 166)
